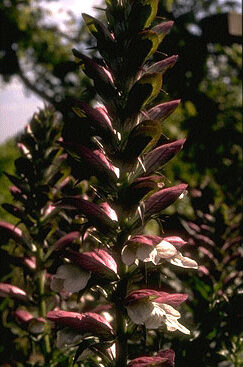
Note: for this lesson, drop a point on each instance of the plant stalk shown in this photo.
(46, 339)
(121, 319)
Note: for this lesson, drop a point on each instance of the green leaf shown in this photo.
(142, 47)
(98, 30)
(142, 138)
(143, 92)
(142, 14)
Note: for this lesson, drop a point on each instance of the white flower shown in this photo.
(131, 253)
(164, 250)
(70, 278)
(153, 315)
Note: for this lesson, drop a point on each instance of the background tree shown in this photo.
(39, 53)
(209, 74)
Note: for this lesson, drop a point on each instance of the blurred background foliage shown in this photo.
(207, 79)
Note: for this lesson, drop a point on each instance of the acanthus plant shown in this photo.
(120, 153)
(27, 244)
(118, 148)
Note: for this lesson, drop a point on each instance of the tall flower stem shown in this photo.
(121, 320)
(42, 307)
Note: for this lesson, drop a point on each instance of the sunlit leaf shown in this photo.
(143, 92)
(142, 14)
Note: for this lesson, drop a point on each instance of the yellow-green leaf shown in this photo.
(142, 14)
(97, 28)
(143, 92)
(141, 139)
(143, 46)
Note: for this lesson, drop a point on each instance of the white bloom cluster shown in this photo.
(153, 314)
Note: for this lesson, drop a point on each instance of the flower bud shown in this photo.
(66, 240)
(98, 261)
(163, 358)
(162, 199)
(161, 155)
(162, 66)
(163, 29)
(163, 110)
(84, 323)
(9, 290)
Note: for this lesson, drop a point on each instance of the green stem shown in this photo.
(121, 320)
(121, 345)
(46, 339)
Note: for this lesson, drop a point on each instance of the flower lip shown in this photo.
(70, 278)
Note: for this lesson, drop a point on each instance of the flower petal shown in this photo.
(56, 284)
(94, 213)
(183, 261)
(154, 257)
(143, 252)
(163, 65)
(165, 250)
(74, 278)
(8, 230)
(173, 299)
(140, 311)
(156, 317)
(149, 240)
(142, 294)
(128, 255)
(170, 310)
(162, 29)
(173, 324)
(109, 211)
